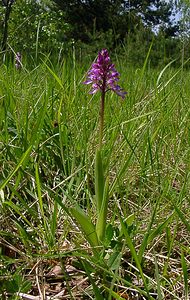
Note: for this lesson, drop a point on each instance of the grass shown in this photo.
(49, 136)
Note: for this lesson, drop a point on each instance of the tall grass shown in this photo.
(49, 136)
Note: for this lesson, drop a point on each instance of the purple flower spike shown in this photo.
(18, 59)
(103, 76)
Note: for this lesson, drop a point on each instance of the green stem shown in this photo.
(102, 106)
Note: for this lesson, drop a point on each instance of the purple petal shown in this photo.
(88, 81)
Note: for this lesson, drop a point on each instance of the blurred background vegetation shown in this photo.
(55, 27)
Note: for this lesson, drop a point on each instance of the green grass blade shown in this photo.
(163, 70)
(160, 228)
(143, 69)
(53, 224)
(114, 294)
(17, 210)
(39, 190)
(23, 158)
(185, 275)
(182, 217)
(146, 236)
(40, 200)
(124, 166)
(160, 297)
(96, 289)
(36, 133)
(54, 75)
(133, 252)
(37, 39)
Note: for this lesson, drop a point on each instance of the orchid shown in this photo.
(18, 58)
(103, 76)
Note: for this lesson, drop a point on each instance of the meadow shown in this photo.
(50, 245)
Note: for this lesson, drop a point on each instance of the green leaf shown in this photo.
(130, 219)
(102, 216)
(109, 233)
(115, 259)
(86, 225)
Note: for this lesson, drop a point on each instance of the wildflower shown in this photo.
(18, 58)
(103, 76)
